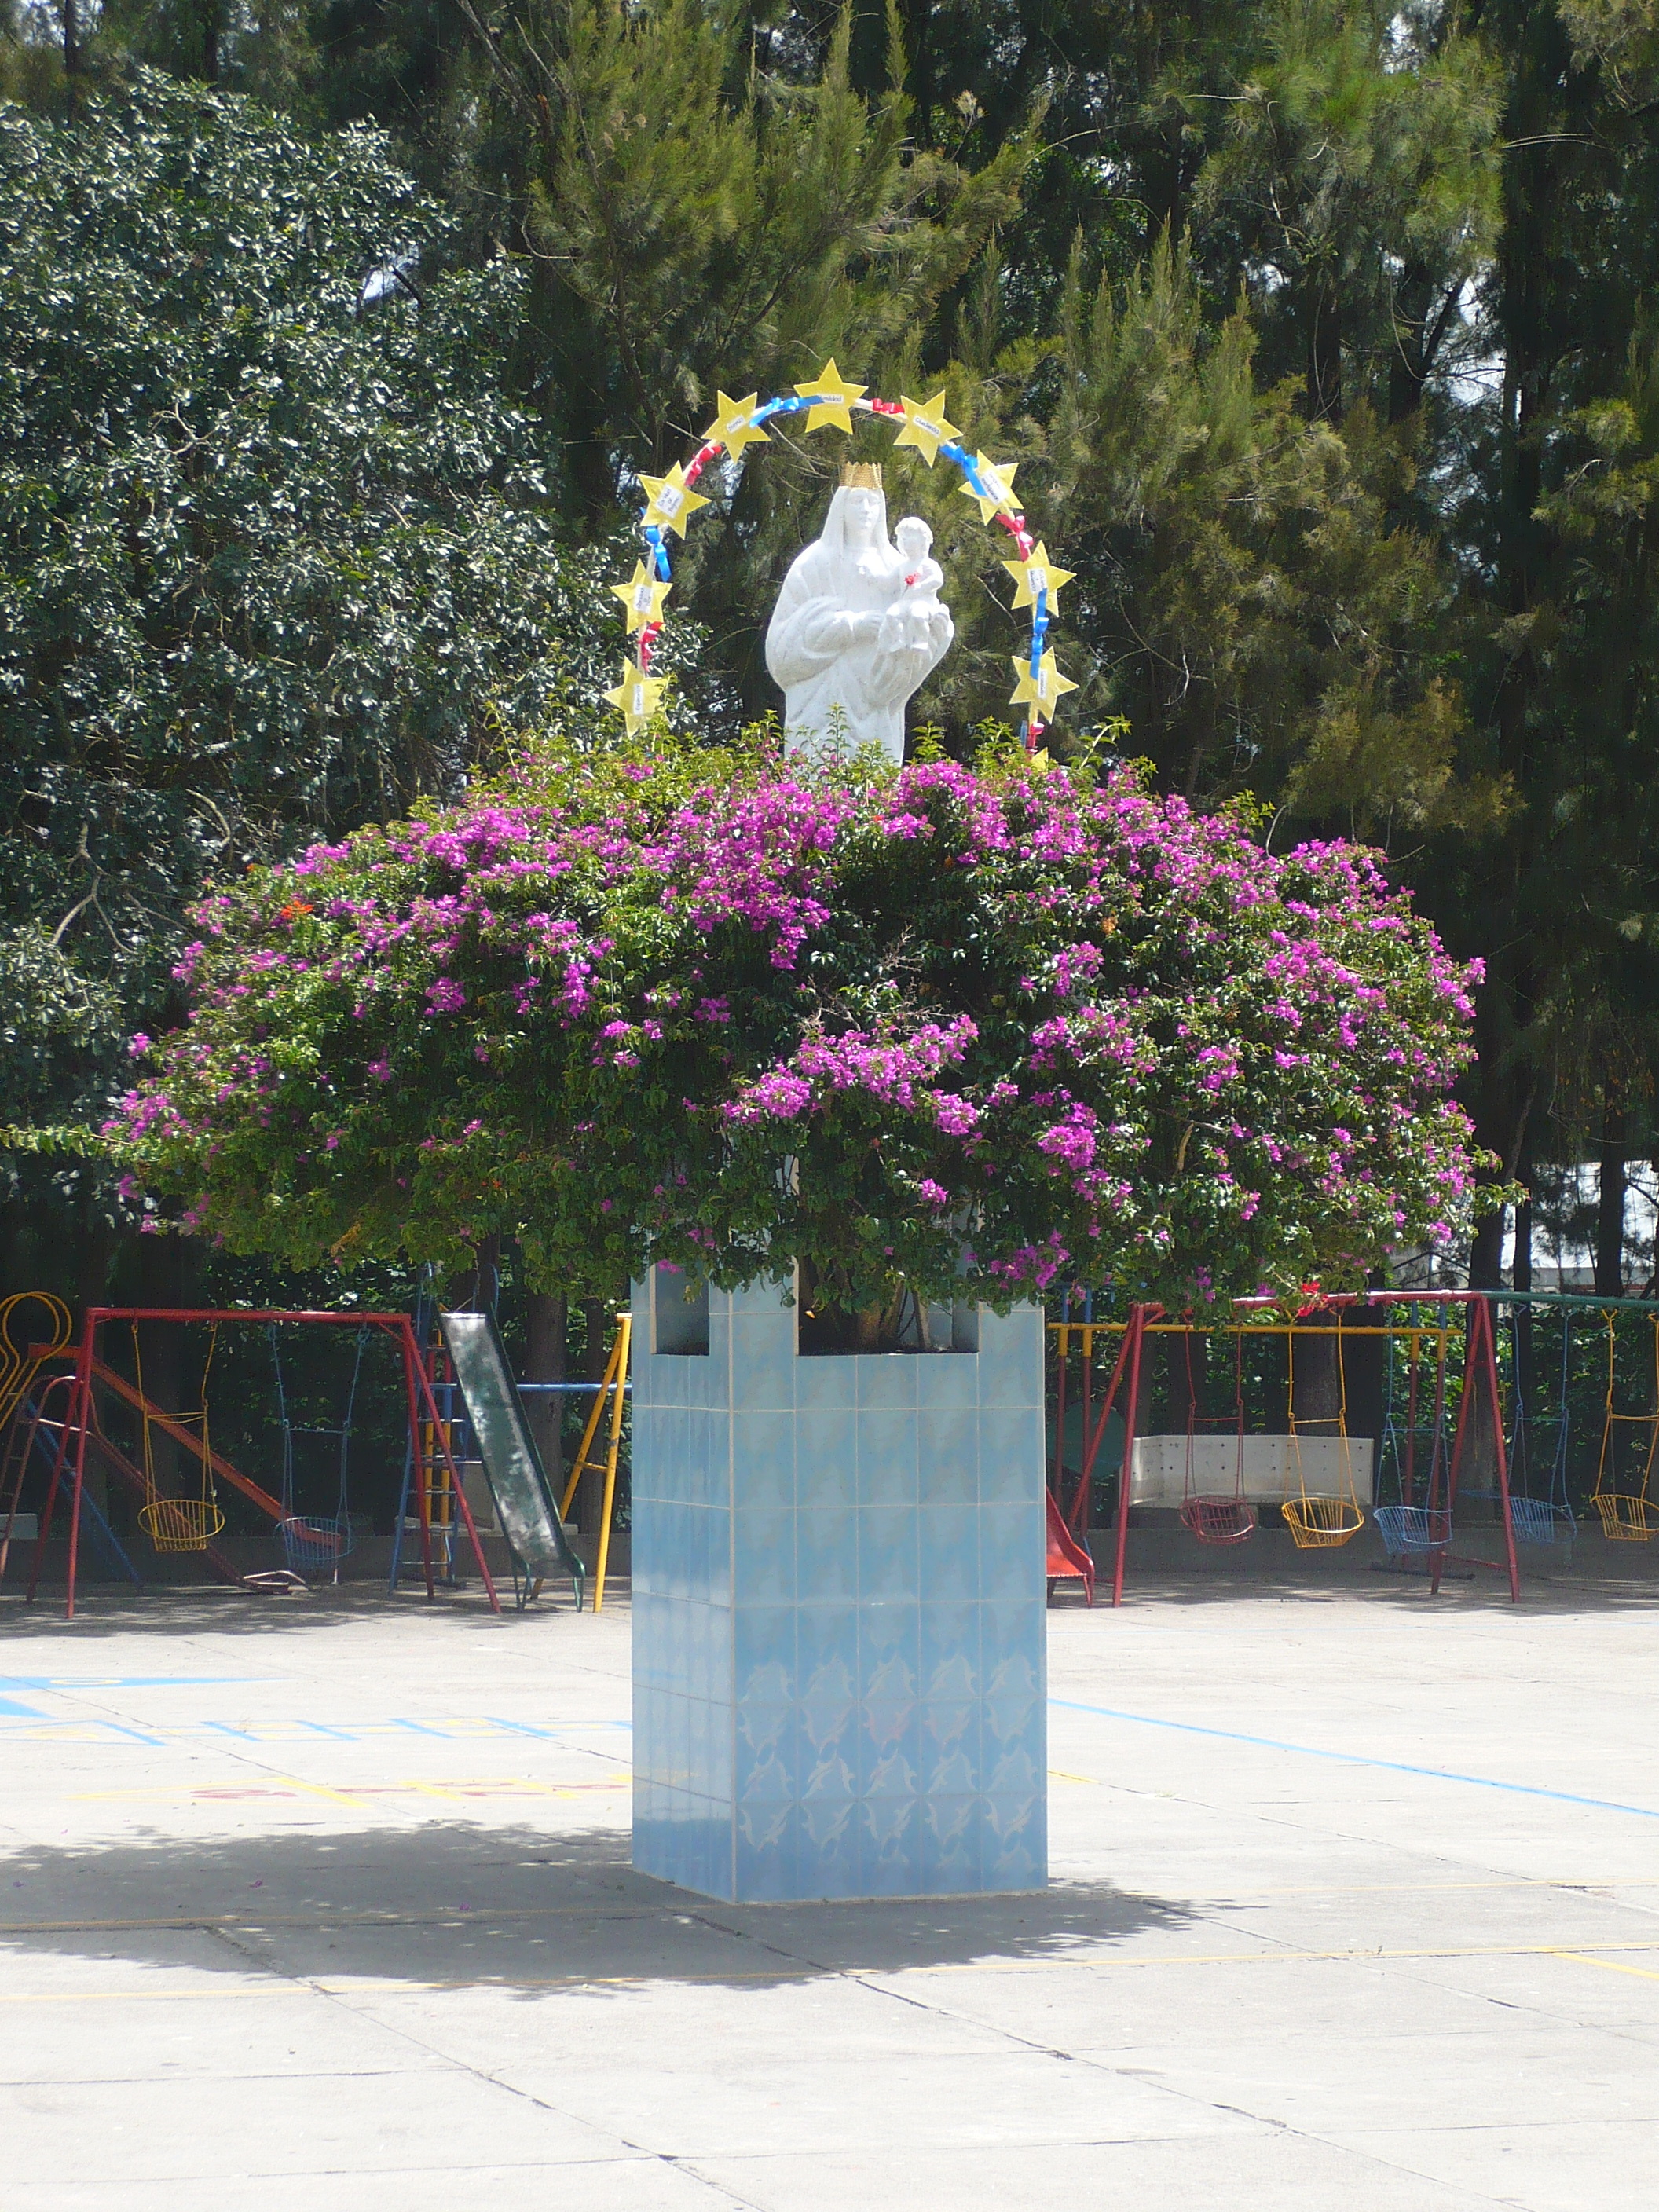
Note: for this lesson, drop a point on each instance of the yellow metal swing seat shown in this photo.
(1320, 1521)
(177, 1525)
(1624, 1519)
(1628, 1514)
(1321, 1524)
(181, 1524)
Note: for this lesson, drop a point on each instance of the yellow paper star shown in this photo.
(672, 501)
(997, 493)
(642, 596)
(833, 396)
(1036, 573)
(1041, 761)
(924, 426)
(636, 695)
(1043, 689)
(732, 427)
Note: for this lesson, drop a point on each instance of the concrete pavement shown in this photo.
(327, 1902)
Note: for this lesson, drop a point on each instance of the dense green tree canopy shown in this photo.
(278, 553)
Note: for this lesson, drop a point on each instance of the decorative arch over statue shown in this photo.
(858, 625)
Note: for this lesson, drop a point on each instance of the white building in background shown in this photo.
(1563, 1227)
(1564, 1203)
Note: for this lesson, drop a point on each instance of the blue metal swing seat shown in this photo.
(1535, 1521)
(1549, 1519)
(315, 1542)
(1413, 1528)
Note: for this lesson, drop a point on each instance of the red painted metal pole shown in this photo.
(1137, 1332)
(1502, 1450)
(411, 1359)
(1092, 1444)
(81, 1397)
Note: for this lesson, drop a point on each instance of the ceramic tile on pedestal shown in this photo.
(839, 1630)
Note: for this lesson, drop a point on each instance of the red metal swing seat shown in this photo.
(1219, 1519)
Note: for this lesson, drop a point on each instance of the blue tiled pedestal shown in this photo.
(838, 1572)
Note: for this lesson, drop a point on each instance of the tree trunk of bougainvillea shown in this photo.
(1183, 1373)
(827, 1326)
(1610, 1157)
(1316, 1396)
(172, 1360)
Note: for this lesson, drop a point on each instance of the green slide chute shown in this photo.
(525, 1504)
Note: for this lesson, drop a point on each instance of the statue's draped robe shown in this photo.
(837, 691)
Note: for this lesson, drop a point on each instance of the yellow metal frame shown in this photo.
(1627, 1515)
(614, 1388)
(179, 1524)
(19, 1362)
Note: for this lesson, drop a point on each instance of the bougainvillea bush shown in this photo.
(976, 1031)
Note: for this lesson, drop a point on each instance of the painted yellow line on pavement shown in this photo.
(286, 1786)
(1607, 1966)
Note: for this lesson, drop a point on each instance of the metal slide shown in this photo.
(525, 1504)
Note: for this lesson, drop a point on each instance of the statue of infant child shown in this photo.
(918, 605)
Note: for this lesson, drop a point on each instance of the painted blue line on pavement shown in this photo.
(1359, 1758)
(560, 1729)
(120, 1681)
(13, 1711)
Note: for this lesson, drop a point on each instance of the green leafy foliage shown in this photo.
(277, 554)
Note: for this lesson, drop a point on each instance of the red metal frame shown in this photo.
(1480, 1361)
(78, 1421)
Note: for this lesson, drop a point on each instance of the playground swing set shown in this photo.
(1442, 1386)
(1218, 1475)
(1455, 1424)
(1624, 1466)
(312, 1542)
(460, 1397)
(61, 1421)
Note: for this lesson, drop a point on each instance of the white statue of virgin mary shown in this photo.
(858, 626)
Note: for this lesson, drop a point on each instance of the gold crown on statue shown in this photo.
(860, 476)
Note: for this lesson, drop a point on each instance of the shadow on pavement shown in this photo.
(450, 1905)
(105, 1609)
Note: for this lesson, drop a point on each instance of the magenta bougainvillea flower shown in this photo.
(985, 1030)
